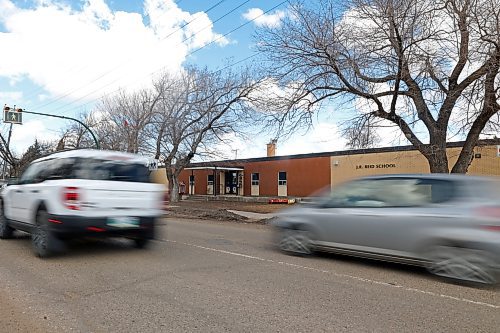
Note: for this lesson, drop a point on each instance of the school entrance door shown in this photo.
(231, 182)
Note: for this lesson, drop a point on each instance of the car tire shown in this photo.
(6, 230)
(462, 264)
(141, 243)
(43, 241)
(295, 241)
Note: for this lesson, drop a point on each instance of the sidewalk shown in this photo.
(253, 216)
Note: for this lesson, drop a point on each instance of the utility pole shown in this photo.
(12, 116)
(4, 171)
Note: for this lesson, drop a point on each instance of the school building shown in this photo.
(304, 174)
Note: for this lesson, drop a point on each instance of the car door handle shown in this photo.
(35, 191)
(19, 191)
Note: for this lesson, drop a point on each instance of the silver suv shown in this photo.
(82, 193)
(447, 223)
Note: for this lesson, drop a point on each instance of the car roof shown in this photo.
(443, 176)
(98, 154)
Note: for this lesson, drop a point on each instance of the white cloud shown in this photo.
(24, 135)
(237, 147)
(11, 97)
(43, 97)
(264, 20)
(199, 31)
(323, 137)
(89, 52)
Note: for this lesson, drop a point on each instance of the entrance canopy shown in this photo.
(215, 168)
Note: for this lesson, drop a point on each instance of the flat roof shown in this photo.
(214, 168)
(223, 163)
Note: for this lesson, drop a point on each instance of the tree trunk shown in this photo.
(465, 157)
(437, 159)
(173, 186)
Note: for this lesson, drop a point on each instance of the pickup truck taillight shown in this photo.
(71, 198)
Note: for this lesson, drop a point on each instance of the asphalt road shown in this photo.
(218, 277)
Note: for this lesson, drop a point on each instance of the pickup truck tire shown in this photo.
(6, 230)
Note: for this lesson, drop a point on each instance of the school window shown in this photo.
(282, 178)
(255, 179)
(210, 179)
(191, 180)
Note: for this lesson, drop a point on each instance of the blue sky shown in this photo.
(61, 56)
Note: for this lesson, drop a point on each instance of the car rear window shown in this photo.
(96, 169)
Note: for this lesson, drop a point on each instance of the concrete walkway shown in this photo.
(251, 215)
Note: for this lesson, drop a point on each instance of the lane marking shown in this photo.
(352, 277)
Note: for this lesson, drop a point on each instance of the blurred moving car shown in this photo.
(82, 193)
(448, 223)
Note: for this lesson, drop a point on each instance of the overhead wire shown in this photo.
(78, 68)
(68, 93)
(157, 71)
(215, 72)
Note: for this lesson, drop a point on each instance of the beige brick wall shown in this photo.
(348, 167)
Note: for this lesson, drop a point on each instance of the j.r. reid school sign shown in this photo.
(376, 166)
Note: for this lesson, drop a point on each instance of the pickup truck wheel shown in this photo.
(5, 229)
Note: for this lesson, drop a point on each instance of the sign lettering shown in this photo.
(376, 166)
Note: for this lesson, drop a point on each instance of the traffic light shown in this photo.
(13, 116)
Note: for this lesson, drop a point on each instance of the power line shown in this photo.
(79, 68)
(116, 90)
(157, 71)
(68, 93)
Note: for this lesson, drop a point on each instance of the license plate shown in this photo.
(123, 222)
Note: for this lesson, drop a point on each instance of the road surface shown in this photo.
(226, 277)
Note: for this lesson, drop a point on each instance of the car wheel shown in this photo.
(6, 230)
(463, 264)
(141, 243)
(295, 241)
(43, 241)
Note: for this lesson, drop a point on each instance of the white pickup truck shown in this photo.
(81, 193)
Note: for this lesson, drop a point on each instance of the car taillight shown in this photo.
(492, 212)
(71, 198)
(491, 227)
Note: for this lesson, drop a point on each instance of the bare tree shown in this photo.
(419, 65)
(10, 160)
(118, 122)
(125, 117)
(75, 135)
(197, 107)
(361, 134)
(36, 150)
